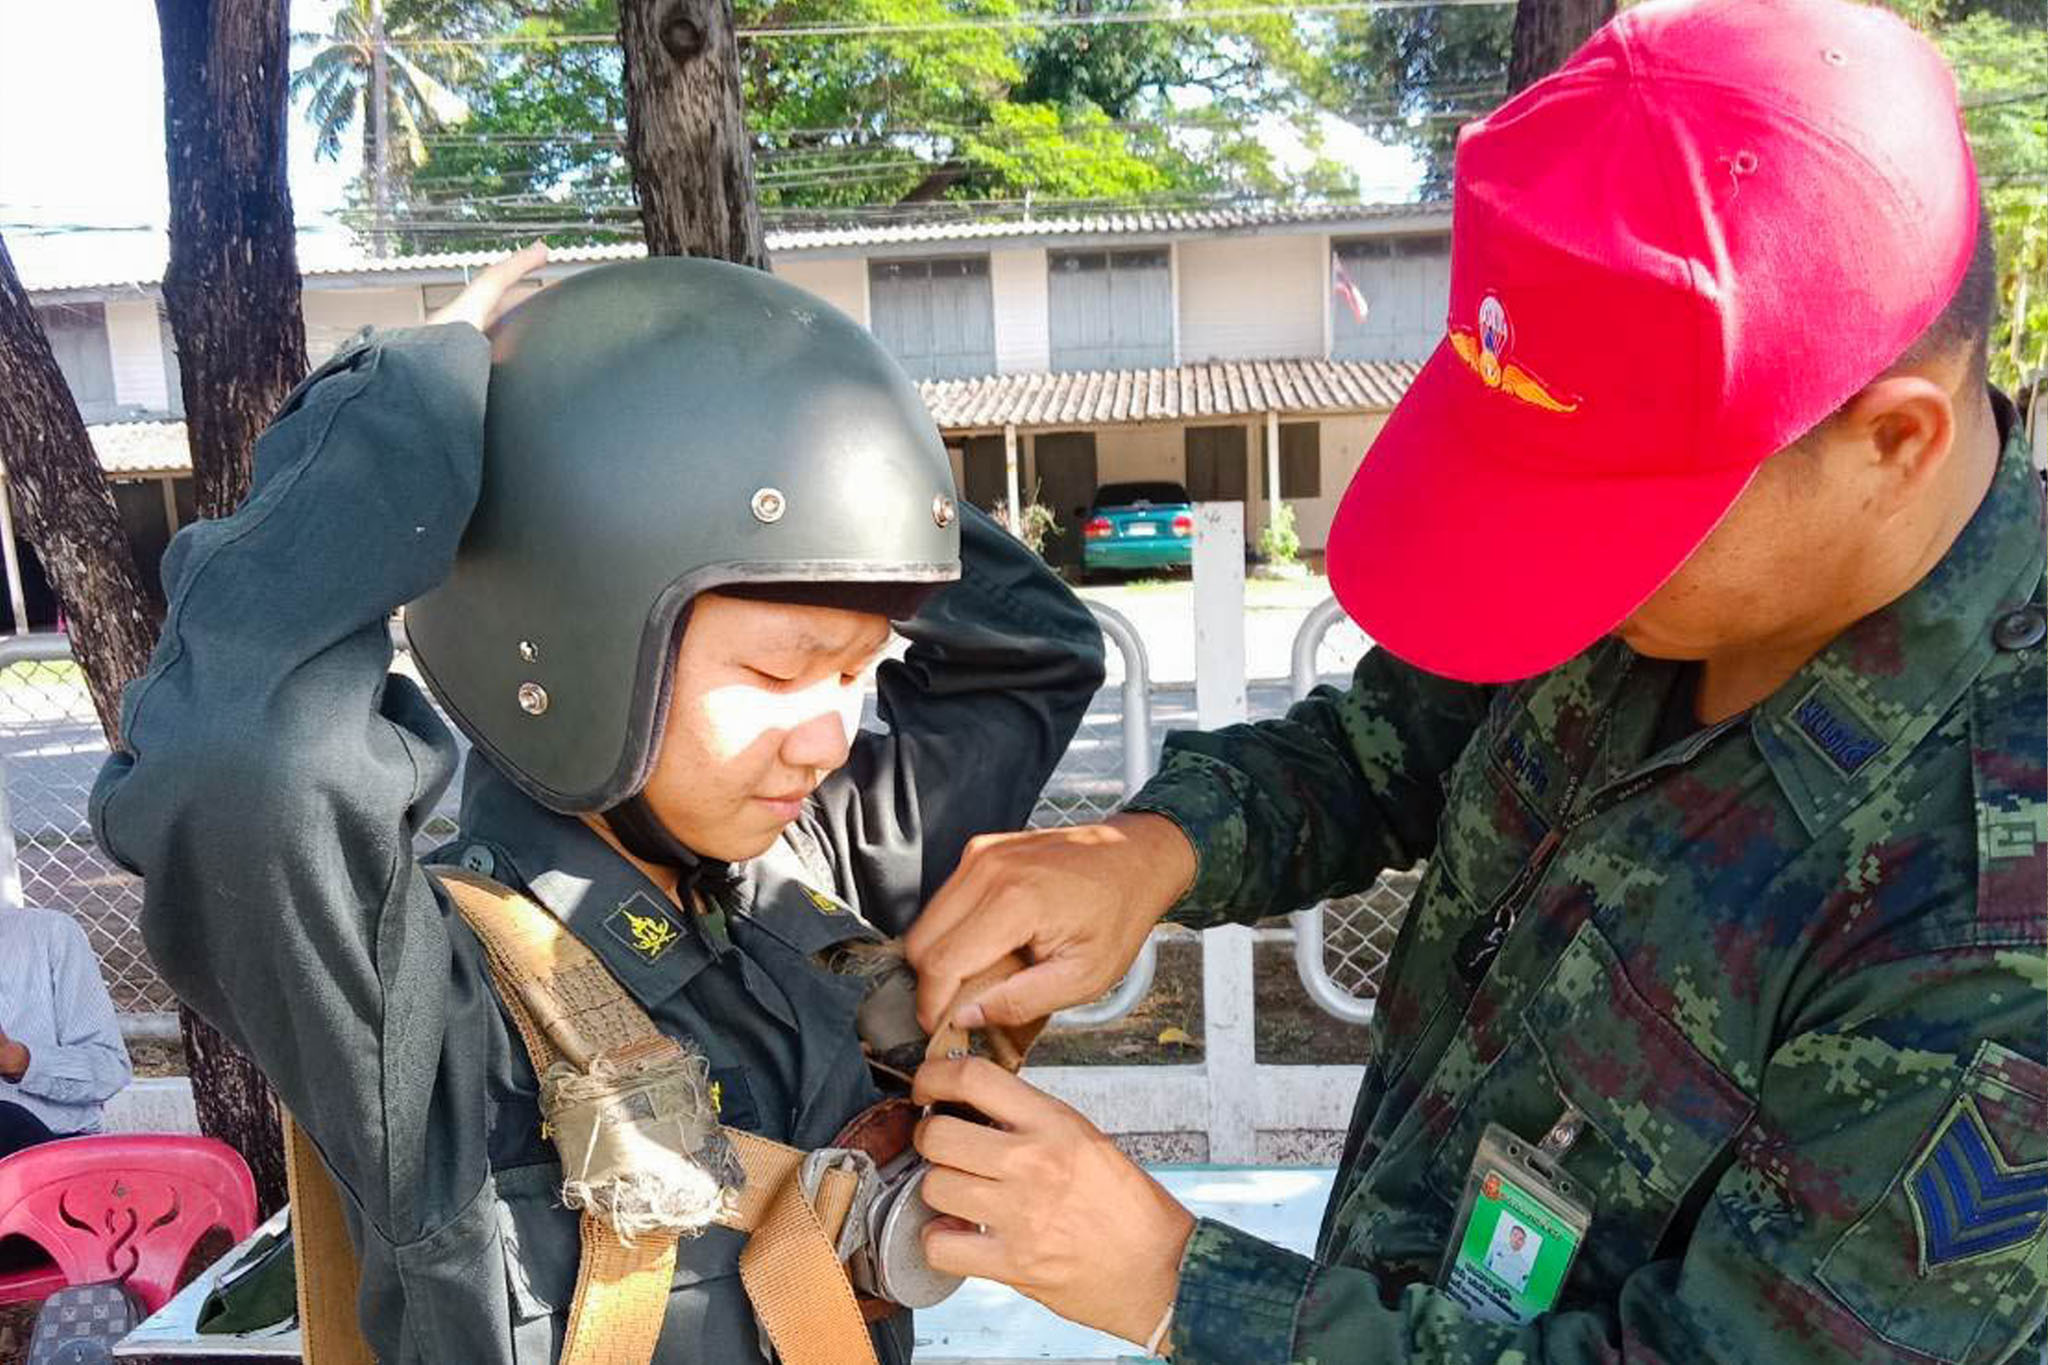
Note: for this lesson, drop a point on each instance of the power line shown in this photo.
(1992, 98)
(765, 138)
(1182, 19)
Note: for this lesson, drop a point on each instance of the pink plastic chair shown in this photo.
(125, 1207)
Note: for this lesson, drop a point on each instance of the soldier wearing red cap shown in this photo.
(1707, 578)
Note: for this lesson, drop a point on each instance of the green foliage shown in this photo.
(1037, 522)
(918, 109)
(1279, 541)
(335, 83)
(2001, 65)
(1412, 76)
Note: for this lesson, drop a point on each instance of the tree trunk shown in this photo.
(232, 288)
(232, 291)
(1547, 32)
(67, 511)
(686, 139)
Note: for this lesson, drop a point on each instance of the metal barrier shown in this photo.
(1357, 931)
(1138, 765)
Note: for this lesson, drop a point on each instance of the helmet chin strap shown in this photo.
(636, 826)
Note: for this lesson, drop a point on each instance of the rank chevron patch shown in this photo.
(1969, 1200)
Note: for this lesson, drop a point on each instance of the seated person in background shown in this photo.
(61, 1057)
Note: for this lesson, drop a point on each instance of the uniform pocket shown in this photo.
(1660, 1117)
(1949, 1262)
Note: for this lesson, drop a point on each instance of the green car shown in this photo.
(1139, 526)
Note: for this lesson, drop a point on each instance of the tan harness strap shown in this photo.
(328, 1278)
(567, 1006)
(790, 1265)
(621, 1297)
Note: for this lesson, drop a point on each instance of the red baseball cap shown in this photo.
(1670, 259)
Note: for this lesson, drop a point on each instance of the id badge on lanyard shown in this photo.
(1519, 1227)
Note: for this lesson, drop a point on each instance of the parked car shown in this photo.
(1139, 526)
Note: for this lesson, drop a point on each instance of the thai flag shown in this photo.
(1347, 292)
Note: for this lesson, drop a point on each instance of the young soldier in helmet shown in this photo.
(648, 580)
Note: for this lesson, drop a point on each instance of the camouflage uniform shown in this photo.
(1790, 969)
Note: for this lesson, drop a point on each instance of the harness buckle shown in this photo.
(867, 1184)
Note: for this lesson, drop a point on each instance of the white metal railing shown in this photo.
(1356, 932)
(1138, 764)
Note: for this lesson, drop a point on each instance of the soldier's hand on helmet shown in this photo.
(484, 298)
(1045, 1202)
(1079, 901)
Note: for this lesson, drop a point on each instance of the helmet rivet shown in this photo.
(943, 510)
(769, 505)
(533, 698)
(529, 651)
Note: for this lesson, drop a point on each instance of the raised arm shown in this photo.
(1001, 668)
(277, 772)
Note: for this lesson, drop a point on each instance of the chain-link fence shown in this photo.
(1341, 946)
(51, 748)
(1111, 754)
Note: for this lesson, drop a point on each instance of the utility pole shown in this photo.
(380, 123)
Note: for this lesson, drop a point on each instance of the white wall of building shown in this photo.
(335, 315)
(1343, 444)
(1244, 298)
(841, 283)
(135, 339)
(1123, 454)
(1017, 280)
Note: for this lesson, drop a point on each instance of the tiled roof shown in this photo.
(1177, 393)
(135, 258)
(1224, 388)
(134, 448)
(1134, 222)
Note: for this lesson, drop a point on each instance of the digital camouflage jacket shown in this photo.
(1789, 969)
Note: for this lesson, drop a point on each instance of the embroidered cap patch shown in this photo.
(1968, 1199)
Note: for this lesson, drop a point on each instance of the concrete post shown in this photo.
(1012, 484)
(1229, 1048)
(16, 596)
(1273, 472)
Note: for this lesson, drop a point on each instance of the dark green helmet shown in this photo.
(654, 430)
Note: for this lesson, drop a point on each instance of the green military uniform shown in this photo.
(1790, 968)
(278, 775)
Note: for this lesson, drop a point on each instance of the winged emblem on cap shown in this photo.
(1485, 350)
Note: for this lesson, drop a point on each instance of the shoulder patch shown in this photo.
(647, 928)
(1968, 1198)
(825, 904)
(1949, 1262)
(1831, 728)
